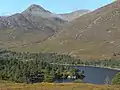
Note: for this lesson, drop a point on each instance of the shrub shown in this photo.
(48, 78)
(116, 79)
(78, 81)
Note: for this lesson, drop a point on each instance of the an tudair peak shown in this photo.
(35, 7)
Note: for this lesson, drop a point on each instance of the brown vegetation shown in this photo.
(55, 86)
(95, 35)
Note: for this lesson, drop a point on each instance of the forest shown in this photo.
(44, 67)
(35, 67)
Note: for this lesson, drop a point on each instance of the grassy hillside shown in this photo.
(33, 25)
(54, 86)
(10, 38)
(95, 35)
(74, 15)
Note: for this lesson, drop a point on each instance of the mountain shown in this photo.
(95, 35)
(33, 25)
(39, 16)
(74, 15)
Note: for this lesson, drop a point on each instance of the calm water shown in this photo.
(95, 75)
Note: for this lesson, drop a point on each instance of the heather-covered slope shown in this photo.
(34, 25)
(95, 35)
(28, 27)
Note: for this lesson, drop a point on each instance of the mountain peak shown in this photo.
(35, 7)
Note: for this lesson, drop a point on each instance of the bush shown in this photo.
(116, 79)
(48, 78)
(78, 81)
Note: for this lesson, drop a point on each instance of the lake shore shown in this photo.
(97, 66)
(118, 69)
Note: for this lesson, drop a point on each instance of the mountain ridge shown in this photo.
(26, 27)
(33, 25)
(76, 14)
(95, 35)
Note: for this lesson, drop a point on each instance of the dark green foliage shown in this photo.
(34, 67)
(49, 78)
(116, 79)
(38, 67)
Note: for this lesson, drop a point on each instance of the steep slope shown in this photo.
(15, 21)
(95, 35)
(40, 16)
(74, 15)
(33, 25)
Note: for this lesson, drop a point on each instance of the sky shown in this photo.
(8, 7)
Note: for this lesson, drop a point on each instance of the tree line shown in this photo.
(35, 67)
(39, 67)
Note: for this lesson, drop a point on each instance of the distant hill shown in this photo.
(95, 35)
(74, 15)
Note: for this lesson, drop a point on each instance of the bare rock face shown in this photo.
(39, 16)
(34, 17)
(36, 8)
(17, 21)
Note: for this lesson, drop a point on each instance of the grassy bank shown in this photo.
(54, 86)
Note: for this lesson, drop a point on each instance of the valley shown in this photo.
(44, 50)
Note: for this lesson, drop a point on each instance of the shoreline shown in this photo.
(97, 66)
(118, 69)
